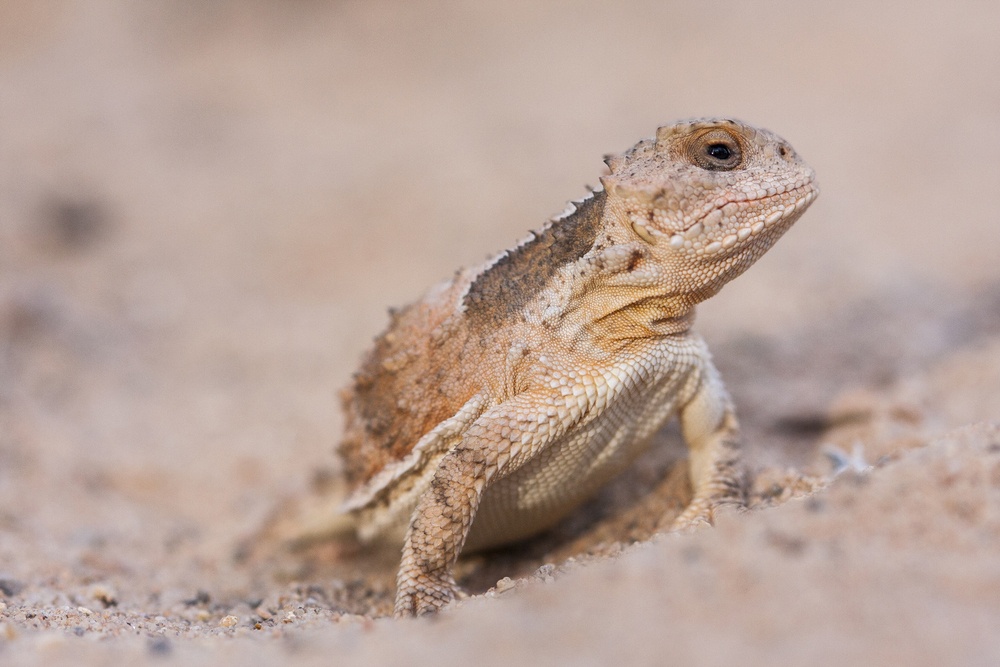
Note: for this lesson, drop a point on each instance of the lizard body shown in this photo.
(511, 392)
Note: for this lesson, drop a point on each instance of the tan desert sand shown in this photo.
(206, 209)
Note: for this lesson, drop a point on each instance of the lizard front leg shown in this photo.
(438, 528)
(511, 432)
(711, 431)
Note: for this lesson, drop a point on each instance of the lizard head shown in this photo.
(709, 197)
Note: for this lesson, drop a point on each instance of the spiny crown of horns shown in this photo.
(661, 148)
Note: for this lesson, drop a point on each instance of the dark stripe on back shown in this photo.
(505, 288)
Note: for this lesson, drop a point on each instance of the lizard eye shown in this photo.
(720, 152)
(716, 150)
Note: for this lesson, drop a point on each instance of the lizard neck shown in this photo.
(646, 317)
(618, 294)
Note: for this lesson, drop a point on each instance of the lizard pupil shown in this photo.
(720, 152)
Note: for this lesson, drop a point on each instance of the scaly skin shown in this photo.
(512, 392)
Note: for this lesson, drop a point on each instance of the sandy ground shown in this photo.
(205, 209)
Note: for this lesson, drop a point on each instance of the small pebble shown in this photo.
(104, 594)
(504, 585)
(229, 621)
(160, 646)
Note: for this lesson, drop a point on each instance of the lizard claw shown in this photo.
(702, 513)
(695, 516)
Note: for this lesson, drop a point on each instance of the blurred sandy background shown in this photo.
(206, 208)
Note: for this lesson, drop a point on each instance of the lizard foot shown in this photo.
(702, 512)
(696, 515)
(421, 594)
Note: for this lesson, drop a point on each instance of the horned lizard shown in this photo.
(513, 391)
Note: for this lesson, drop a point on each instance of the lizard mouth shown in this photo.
(798, 191)
(692, 237)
